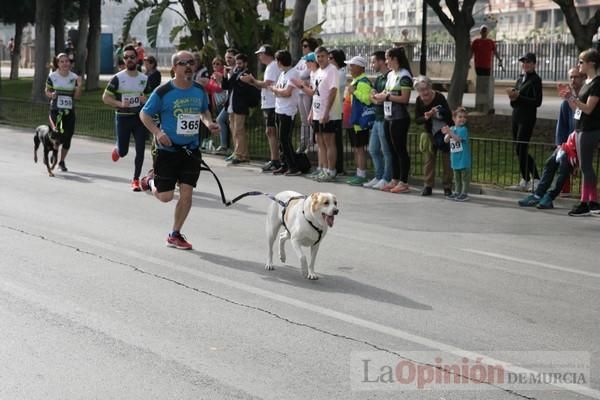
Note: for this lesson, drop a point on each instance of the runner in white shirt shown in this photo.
(266, 55)
(286, 105)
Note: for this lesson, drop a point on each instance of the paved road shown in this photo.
(93, 305)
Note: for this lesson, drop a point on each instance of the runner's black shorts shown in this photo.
(68, 126)
(358, 138)
(329, 127)
(171, 167)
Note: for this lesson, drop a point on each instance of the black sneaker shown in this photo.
(427, 191)
(594, 208)
(62, 166)
(580, 210)
(271, 166)
(447, 192)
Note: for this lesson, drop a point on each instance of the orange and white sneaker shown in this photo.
(115, 155)
(135, 185)
(401, 187)
(178, 241)
(389, 186)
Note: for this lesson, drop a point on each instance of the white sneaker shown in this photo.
(534, 184)
(379, 185)
(522, 186)
(370, 183)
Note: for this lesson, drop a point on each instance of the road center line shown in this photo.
(531, 262)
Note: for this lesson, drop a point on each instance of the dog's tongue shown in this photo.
(329, 219)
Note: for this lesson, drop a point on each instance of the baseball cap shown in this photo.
(265, 48)
(310, 57)
(357, 60)
(529, 57)
(482, 27)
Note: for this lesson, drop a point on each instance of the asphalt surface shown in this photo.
(93, 305)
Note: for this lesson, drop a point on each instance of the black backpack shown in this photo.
(302, 162)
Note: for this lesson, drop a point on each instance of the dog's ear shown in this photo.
(314, 202)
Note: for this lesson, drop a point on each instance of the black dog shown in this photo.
(50, 139)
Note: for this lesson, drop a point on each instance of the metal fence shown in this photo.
(553, 59)
(494, 160)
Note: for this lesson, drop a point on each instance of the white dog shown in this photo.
(305, 221)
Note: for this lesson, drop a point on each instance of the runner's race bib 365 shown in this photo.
(188, 124)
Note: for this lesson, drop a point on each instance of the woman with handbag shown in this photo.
(432, 110)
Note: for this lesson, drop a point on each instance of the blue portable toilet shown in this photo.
(106, 53)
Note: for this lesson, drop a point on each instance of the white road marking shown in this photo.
(536, 263)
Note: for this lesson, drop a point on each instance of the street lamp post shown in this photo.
(423, 60)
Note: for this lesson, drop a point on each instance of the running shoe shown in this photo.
(115, 155)
(178, 241)
(580, 210)
(135, 185)
(62, 166)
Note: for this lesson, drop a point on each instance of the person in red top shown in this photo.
(483, 49)
(140, 55)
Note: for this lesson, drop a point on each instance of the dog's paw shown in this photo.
(311, 277)
(35, 159)
(50, 174)
(282, 257)
(269, 267)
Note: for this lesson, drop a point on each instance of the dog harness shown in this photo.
(284, 209)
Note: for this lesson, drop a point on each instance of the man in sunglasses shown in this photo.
(127, 92)
(182, 105)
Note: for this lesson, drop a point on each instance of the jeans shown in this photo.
(550, 169)
(380, 152)
(304, 106)
(222, 119)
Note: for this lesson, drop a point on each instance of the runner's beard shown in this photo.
(131, 66)
(189, 74)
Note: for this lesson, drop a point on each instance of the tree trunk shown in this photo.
(214, 11)
(43, 19)
(190, 13)
(582, 34)
(461, 67)
(15, 60)
(296, 28)
(93, 47)
(59, 26)
(82, 37)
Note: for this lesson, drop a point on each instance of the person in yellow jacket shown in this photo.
(361, 118)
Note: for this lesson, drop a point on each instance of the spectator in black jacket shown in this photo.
(238, 106)
(525, 98)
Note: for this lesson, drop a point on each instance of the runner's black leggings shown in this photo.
(396, 134)
(126, 125)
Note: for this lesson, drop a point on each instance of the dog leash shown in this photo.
(204, 167)
(228, 203)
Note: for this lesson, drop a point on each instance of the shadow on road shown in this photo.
(328, 283)
(88, 177)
